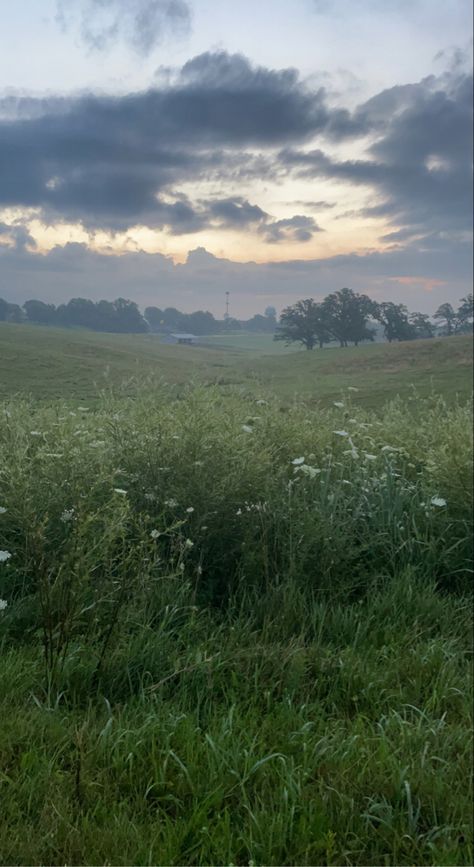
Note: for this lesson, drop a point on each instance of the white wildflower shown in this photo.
(83, 408)
(2, 510)
(3, 604)
(311, 472)
(172, 503)
(120, 491)
(36, 433)
(67, 515)
(238, 512)
(4, 555)
(150, 497)
(261, 402)
(189, 544)
(389, 449)
(297, 461)
(339, 404)
(155, 534)
(370, 457)
(352, 388)
(53, 454)
(341, 433)
(198, 463)
(247, 429)
(190, 510)
(438, 501)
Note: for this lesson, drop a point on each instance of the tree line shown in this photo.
(346, 317)
(123, 316)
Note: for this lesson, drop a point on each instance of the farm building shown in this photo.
(183, 339)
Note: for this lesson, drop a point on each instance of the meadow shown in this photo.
(51, 363)
(236, 621)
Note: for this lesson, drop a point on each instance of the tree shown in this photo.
(422, 325)
(40, 313)
(3, 310)
(346, 315)
(154, 317)
(395, 321)
(303, 322)
(128, 318)
(464, 314)
(15, 313)
(201, 322)
(445, 313)
(270, 312)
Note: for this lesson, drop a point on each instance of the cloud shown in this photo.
(114, 162)
(105, 161)
(419, 164)
(422, 278)
(235, 212)
(141, 24)
(297, 228)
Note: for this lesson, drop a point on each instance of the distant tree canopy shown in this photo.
(345, 317)
(456, 321)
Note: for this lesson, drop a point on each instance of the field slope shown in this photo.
(49, 363)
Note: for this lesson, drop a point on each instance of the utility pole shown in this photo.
(226, 314)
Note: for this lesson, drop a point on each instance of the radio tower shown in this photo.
(226, 314)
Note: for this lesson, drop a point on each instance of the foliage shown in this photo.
(347, 314)
(303, 322)
(233, 633)
(341, 316)
(445, 313)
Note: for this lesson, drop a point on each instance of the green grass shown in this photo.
(51, 363)
(247, 342)
(216, 652)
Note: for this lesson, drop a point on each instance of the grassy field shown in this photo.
(51, 363)
(235, 623)
(235, 635)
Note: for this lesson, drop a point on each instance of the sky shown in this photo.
(168, 151)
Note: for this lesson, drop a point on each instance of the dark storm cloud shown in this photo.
(419, 167)
(139, 23)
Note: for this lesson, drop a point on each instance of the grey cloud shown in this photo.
(139, 23)
(418, 276)
(235, 212)
(105, 160)
(298, 228)
(419, 167)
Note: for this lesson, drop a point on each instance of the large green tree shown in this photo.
(395, 321)
(303, 322)
(447, 317)
(347, 315)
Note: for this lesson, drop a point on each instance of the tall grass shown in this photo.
(235, 633)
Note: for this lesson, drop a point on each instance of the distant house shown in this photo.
(183, 339)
